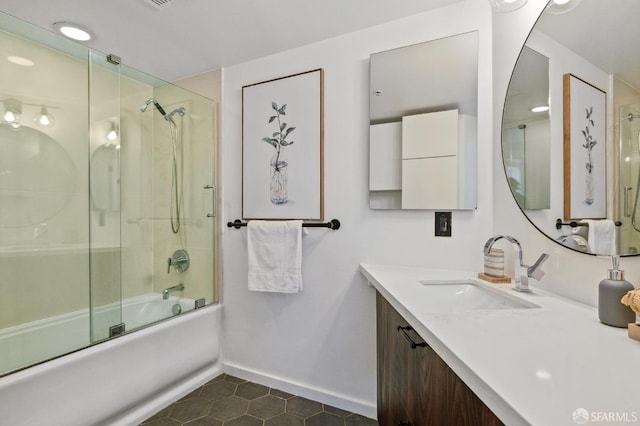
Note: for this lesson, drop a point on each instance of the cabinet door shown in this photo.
(415, 386)
(385, 157)
(437, 396)
(393, 363)
(430, 183)
(433, 134)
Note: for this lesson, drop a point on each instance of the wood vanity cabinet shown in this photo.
(415, 386)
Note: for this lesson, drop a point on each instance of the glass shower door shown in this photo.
(85, 197)
(629, 170)
(44, 250)
(152, 198)
(104, 197)
(194, 136)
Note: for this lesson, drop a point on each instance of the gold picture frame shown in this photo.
(283, 148)
(584, 134)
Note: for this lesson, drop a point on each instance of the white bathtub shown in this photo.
(27, 344)
(118, 382)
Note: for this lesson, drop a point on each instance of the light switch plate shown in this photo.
(443, 224)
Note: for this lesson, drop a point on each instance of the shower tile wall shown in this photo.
(196, 232)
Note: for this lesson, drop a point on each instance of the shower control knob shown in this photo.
(179, 260)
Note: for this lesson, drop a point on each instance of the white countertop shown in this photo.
(529, 366)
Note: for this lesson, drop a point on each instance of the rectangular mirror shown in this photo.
(422, 125)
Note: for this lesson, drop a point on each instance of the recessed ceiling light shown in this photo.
(72, 31)
(541, 108)
(19, 60)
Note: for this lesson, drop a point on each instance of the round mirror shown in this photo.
(571, 126)
(105, 178)
(37, 177)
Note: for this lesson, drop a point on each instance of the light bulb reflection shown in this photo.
(44, 118)
(9, 117)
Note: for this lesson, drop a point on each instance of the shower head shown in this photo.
(144, 107)
(180, 111)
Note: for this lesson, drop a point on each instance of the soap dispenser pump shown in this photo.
(610, 290)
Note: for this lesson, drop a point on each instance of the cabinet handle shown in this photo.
(413, 344)
(403, 423)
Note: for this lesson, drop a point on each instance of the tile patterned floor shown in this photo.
(229, 401)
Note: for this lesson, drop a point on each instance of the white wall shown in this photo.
(569, 273)
(321, 343)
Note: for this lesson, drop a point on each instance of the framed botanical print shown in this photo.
(282, 148)
(584, 120)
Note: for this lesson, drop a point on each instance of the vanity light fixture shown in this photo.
(540, 108)
(44, 117)
(12, 112)
(73, 31)
(503, 6)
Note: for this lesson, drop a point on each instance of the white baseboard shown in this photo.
(304, 390)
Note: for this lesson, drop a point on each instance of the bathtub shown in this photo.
(27, 344)
(121, 381)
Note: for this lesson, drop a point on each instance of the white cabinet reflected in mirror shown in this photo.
(423, 127)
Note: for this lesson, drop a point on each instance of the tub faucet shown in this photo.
(523, 272)
(166, 291)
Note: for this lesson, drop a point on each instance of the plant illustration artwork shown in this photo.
(589, 143)
(278, 184)
(584, 122)
(283, 179)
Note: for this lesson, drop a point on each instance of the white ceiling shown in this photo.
(606, 33)
(192, 36)
(602, 32)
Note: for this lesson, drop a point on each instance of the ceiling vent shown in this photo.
(160, 4)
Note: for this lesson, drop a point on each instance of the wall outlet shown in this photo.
(443, 224)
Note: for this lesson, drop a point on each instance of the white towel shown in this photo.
(602, 237)
(275, 255)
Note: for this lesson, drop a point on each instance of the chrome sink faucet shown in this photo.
(524, 272)
(168, 290)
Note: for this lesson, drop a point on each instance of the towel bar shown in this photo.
(332, 224)
(573, 224)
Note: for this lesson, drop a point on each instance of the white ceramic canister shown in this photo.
(494, 263)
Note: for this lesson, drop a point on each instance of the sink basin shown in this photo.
(447, 296)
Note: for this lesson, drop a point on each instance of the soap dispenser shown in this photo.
(611, 311)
